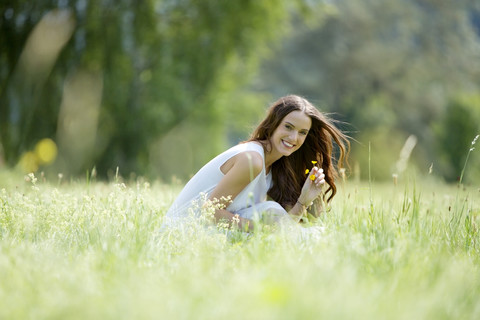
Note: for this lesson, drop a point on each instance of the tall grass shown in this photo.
(77, 251)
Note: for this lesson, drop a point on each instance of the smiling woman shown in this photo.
(271, 163)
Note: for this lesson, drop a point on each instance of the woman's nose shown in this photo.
(294, 135)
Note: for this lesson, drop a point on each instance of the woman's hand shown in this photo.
(312, 188)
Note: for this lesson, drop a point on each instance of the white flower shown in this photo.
(475, 140)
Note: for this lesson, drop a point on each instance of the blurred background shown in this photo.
(159, 87)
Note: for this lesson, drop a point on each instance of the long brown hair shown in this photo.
(288, 173)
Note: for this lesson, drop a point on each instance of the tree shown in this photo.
(390, 68)
(130, 81)
(454, 135)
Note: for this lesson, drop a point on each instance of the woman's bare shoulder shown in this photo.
(249, 162)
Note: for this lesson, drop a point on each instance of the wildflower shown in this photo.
(32, 177)
(312, 177)
(395, 179)
(235, 220)
(473, 142)
(475, 139)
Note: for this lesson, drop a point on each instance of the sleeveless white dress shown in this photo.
(249, 203)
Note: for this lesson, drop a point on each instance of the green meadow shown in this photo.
(95, 250)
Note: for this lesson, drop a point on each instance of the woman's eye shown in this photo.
(303, 133)
(288, 126)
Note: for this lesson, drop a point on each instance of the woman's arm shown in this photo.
(238, 172)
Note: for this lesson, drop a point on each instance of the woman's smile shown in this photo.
(288, 144)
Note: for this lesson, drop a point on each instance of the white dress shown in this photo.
(250, 202)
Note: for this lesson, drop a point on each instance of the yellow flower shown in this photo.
(312, 177)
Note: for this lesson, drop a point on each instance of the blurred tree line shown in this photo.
(142, 85)
(158, 87)
(391, 69)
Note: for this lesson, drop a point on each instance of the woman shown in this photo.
(273, 162)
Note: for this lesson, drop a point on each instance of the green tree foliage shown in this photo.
(389, 68)
(454, 135)
(137, 84)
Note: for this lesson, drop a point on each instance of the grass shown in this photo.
(93, 250)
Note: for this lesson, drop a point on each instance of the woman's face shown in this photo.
(291, 133)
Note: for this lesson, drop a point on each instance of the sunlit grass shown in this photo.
(78, 250)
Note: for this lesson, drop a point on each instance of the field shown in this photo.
(93, 250)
